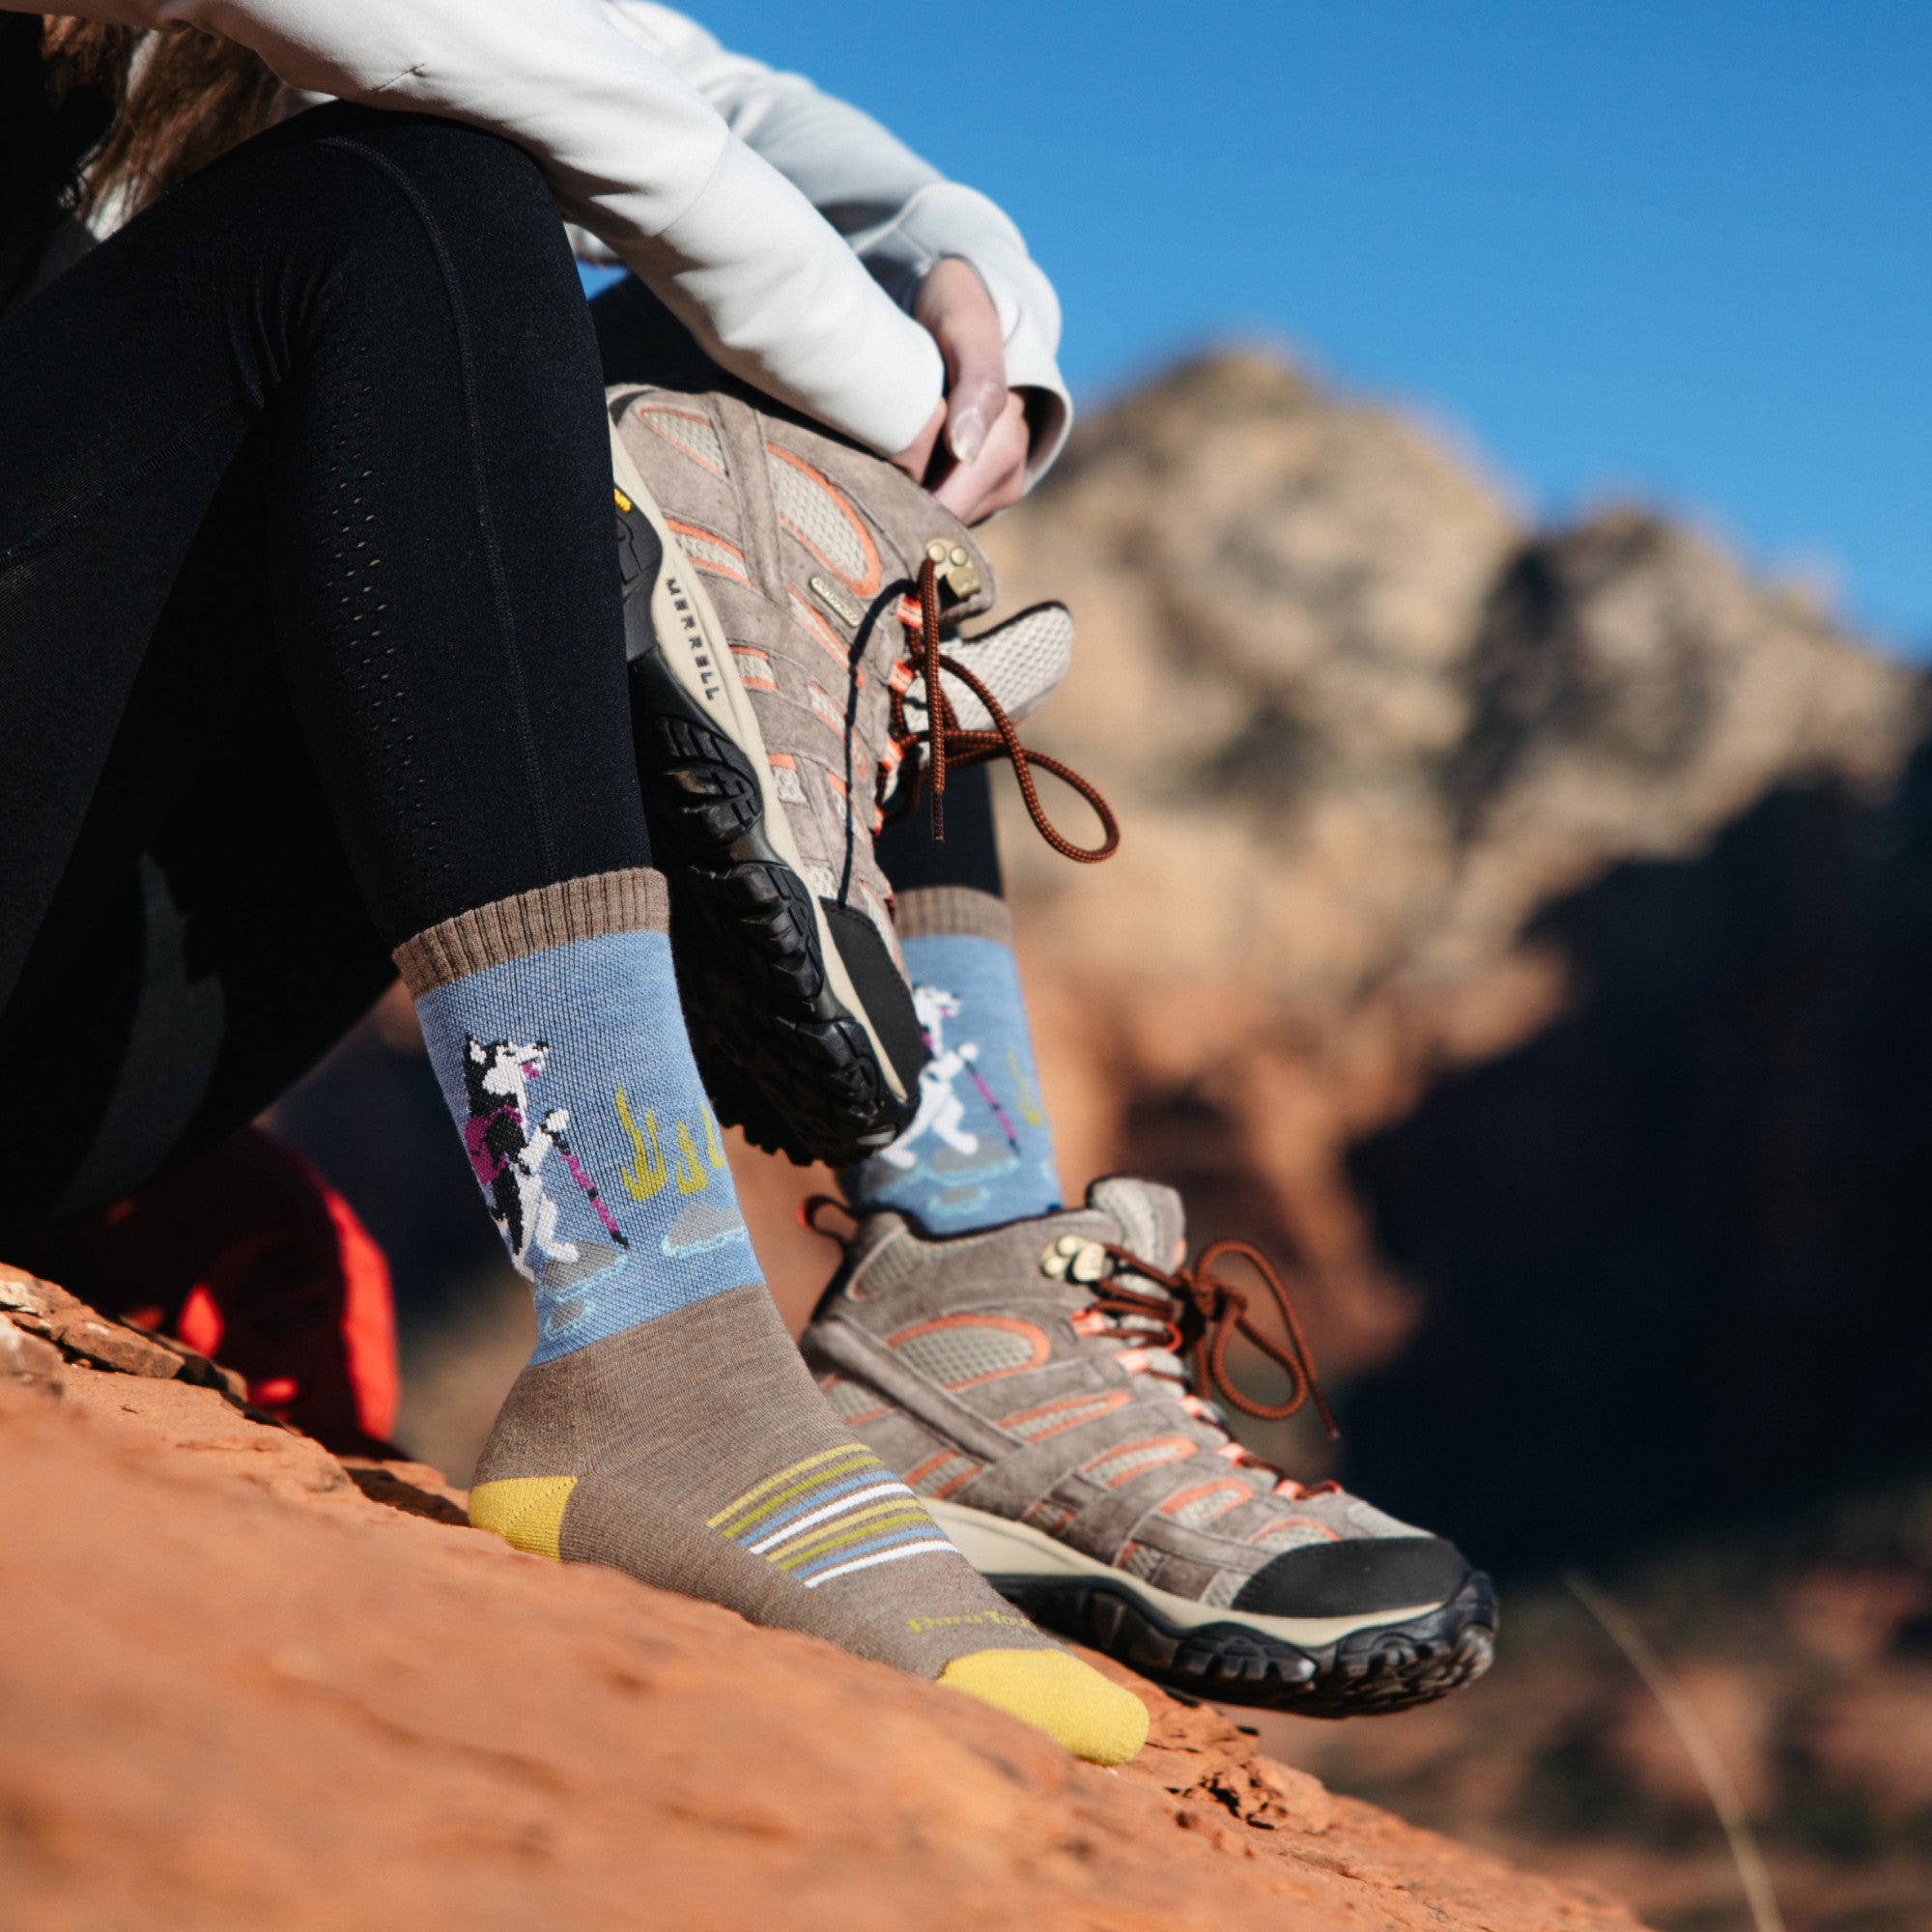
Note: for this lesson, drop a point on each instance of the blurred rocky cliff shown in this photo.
(1528, 934)
(1523, 931)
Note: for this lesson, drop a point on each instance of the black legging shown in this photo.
(309, 631)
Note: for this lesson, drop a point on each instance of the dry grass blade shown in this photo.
(1754, 1875)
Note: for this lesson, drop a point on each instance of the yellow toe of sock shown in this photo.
(525, 1511)
(1093, 1718)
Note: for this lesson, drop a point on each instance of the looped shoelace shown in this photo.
(1214, 1310)
(949, 744)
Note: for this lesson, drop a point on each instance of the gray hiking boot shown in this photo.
(778, 641)
(1028, 1383)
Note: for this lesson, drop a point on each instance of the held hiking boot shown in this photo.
(786, 594)
(1027, 1381)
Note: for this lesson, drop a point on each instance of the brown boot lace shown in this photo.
(1214, 1310)
(951, 745)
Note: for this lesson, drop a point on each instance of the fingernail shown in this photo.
(966, 435)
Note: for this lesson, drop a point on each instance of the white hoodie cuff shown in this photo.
(948, 220)
(809, 326)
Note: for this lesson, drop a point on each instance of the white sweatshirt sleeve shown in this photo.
(898, 212)
(633, 152)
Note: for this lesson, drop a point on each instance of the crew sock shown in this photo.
(979, 1150)
(665, 1424)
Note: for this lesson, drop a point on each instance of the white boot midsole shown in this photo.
(997, 1546)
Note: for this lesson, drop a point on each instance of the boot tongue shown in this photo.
(1152, 1223)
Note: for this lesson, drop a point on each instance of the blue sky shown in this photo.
(1681, 251)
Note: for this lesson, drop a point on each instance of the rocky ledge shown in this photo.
(250, 1685)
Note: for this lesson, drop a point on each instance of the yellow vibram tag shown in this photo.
(1093, 1718)
(623, 501)
(525, 1511)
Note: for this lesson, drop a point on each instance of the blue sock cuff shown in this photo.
(570, 1076)
(981, 1149)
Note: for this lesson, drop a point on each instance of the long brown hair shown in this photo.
(93, 114)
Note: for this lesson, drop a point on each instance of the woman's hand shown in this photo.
(972, 453)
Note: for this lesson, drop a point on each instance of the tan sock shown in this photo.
(665, 1424)
(694, 1451)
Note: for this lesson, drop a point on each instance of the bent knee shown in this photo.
(344, 178)
(466, 179)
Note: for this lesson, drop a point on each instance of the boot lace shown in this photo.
(1200, 1311)
(950, 745)
(1191, 1309)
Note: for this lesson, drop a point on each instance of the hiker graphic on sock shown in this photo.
(979, 1150)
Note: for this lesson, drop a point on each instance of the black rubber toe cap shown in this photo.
(1367, 1572)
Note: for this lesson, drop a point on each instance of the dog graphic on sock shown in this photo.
(508, 1154)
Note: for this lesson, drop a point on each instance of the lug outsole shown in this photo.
(782, 1051)
(1367, 1674)
(781, 1057)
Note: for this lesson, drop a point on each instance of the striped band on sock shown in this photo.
(829, 1515)
(593, 907)
(952, 911)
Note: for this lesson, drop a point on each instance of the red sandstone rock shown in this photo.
(282, 1703)
(32, 1307)
(109, 1345)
